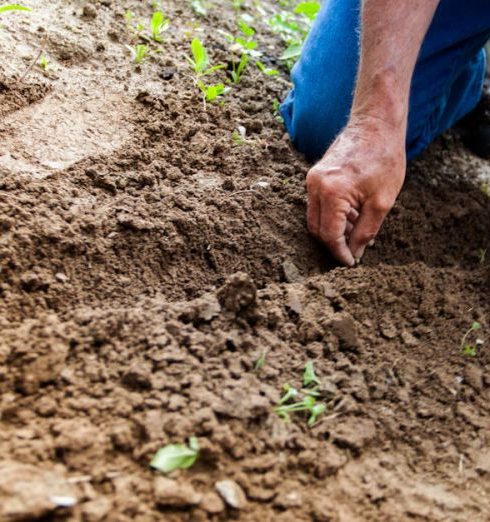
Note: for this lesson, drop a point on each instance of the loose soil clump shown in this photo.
(147, 261)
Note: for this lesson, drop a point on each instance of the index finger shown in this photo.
(333, 224)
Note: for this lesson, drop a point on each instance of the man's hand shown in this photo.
(354, 186)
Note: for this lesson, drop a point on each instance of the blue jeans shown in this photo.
(446, 85)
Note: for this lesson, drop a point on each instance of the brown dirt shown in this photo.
(143, 271)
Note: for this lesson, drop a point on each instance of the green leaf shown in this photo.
(315, 412)
(158, 24)
(13, 7)
(176, 456)
(200, 55)
(469, 350)
(292, 52)
(260, 362)
(245, 28)
(289, 394)
(309, 375)
(309, 9)
(475, 326)
(266, 70)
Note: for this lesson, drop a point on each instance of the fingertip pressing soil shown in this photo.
(148, 261)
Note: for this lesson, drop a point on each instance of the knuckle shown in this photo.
(382, 204)
(328, 191)
(313, 177)
(367, 236)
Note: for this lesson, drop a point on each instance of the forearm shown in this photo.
(392, 35)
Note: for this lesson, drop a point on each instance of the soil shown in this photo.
(147, 261)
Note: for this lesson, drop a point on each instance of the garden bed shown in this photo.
(153, 248)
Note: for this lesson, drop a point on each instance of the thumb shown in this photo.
(367, 226)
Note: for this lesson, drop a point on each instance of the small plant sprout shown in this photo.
(212, 92)
(309, 405)
(237, 4)
(468, 347)
(239, 68)
(176, 456)
(128, 16)
(289, 393)
(43, 62)
(261, 360)
(293, 27)
(266, 70)
(309, 375)
(276, 105)
(139, 52)
(158, 25)
(482, 255)
(303, 401)
(13, 7)
(200, 59)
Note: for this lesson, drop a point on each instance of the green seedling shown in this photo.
(13, 7)
(43, 62)
(276, 104)
(238, 139)
(482, 255)
(129, 16)
(246, 42)
(309, 405)
(260, 362)
(158, 25)
(237, 4)
(176, 456)
(266, 70)
(471, 348)
(239, 68)
(200, 59)
(290, 393)
(309, 375)
(304, 401)
(243, 48)
(212, 92)
(131, 22)
(485, 188)
(309, 9)
(139, 52)
(199, 7)
(293, 27)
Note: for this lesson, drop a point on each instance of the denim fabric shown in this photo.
(446, 85)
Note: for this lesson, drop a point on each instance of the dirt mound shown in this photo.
(148, 261)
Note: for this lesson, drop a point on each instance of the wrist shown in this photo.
(381, 102)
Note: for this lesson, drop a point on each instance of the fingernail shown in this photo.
(359, 253)
(371, 243)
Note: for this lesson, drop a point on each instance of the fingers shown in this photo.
(367, 226)
(349, 227)
(333, 227)
(352, 215)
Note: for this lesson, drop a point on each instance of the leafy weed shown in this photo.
(176, 456)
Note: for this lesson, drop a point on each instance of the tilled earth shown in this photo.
(148, 260)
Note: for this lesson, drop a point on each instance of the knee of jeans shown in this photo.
(314, 125)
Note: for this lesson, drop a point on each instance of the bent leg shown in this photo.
(446, 85)
(318, 107)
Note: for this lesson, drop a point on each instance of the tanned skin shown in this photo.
(354, 186)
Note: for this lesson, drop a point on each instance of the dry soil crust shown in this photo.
(147, 261)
